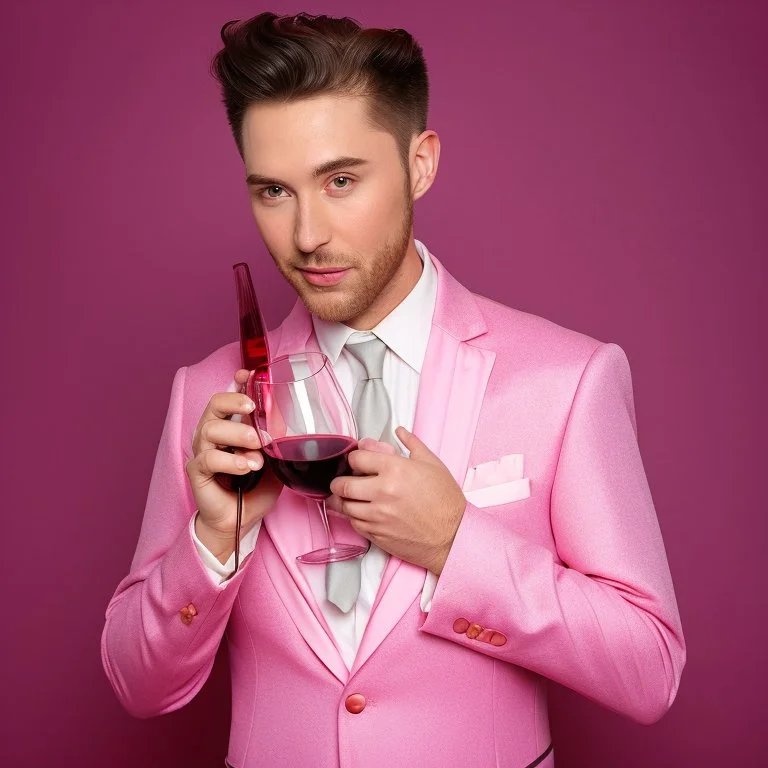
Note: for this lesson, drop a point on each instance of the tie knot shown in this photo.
(371, 354)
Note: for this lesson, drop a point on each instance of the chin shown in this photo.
(332, 313)
(333, 309)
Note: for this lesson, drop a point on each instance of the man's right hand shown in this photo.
(217, 508)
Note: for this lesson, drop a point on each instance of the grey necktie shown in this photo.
(373, 413)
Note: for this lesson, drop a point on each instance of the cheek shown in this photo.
(274, 227)
(373, 217)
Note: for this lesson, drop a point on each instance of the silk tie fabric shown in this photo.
(373, 414)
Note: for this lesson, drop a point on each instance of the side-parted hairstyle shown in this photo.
(272, 58)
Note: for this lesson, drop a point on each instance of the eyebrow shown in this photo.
(341, 163)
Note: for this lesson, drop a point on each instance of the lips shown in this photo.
(324, 275)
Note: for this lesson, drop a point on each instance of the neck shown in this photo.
(401, 284)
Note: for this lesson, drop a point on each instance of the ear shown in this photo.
(424, 158)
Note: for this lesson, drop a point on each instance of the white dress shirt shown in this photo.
(405, 331)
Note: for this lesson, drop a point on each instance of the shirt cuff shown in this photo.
(218, 571)
(430, 582)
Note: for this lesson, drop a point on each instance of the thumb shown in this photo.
(417, 449)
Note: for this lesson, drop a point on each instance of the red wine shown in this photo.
(247, 481)
(308, 463)
(253, 345)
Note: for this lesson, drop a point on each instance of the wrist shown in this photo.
(438, 562)
(220, 545)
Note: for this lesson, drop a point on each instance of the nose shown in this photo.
(312, 228)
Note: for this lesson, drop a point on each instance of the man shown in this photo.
(513, 536)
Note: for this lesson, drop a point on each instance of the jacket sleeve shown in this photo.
(599, 614)
(156, 651)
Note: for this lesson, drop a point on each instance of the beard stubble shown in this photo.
(383, 267)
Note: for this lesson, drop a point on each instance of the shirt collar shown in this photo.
(405, 330)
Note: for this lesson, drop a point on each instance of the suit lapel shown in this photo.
(289, 526)
(451, 390)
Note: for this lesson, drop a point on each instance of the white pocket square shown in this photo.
(497, 482)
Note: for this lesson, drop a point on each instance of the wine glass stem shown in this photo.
(324, 517)
(238, 526)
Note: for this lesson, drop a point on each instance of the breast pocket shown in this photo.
(499, 493)
(497, 482)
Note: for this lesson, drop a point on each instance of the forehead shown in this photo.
(297, 136)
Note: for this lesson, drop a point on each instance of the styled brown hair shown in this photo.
(272, 58)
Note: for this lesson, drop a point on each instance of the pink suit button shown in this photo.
(355, 703)
(188, 613)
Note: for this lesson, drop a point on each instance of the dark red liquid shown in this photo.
(247, 482)
(253, 345)
(308, 463)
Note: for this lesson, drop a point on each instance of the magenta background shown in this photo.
(603, 165)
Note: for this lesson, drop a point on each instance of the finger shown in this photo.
(221, 432)
(357, 488)
(241, 376)
(363, 528)
(202, 467)
(358, 512)
(225, 404)
(417, 449)
(370, 462)
(221, 406)
(256, 456)
(369, 444)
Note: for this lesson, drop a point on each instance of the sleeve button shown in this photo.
(473, 631)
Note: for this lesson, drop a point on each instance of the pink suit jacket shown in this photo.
(569, 581)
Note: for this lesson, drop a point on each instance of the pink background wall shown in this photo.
(603, 165)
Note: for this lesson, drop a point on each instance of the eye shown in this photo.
(341, 182)
(273, 191)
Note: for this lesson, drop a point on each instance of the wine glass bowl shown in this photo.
(307, 431)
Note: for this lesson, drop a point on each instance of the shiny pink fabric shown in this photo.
(574, 576)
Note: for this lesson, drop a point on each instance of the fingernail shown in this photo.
(241, 462)
(254, 465)
(249, 406)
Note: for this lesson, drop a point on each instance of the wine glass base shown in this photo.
(332, 554)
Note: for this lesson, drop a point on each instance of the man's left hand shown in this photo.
(410, 507)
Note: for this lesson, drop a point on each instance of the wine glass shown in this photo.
(307, 430)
